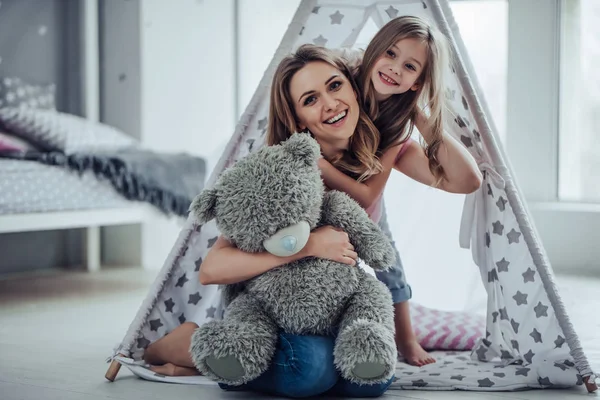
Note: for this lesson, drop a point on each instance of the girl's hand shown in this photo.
(332, 244)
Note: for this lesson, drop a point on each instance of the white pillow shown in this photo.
(53, 130)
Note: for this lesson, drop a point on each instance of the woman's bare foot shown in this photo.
(414, 354)
(172, 348)
(169, 369)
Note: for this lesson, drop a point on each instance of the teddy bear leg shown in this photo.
(365, 349)
(240, 347)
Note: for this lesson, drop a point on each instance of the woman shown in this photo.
(303, 365)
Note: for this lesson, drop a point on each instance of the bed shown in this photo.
(36, 197)
(28, 187)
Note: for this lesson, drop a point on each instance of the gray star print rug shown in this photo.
(452, 371)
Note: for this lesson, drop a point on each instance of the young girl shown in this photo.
(399, 75)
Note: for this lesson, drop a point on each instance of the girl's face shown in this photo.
(325, 103)
(398, 69)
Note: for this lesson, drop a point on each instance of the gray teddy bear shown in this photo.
(270, 201)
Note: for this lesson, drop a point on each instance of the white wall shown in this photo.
(187, 75)
(187, 90)
(261, 25)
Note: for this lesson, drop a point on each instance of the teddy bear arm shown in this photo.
(369, 242)
(372, 302)
(231, 291)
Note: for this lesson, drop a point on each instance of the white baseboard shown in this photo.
(109, 236)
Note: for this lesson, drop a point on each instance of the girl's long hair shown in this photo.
(395, 117)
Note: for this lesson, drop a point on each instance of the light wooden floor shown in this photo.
(56, 330)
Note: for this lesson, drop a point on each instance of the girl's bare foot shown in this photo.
(169, 369)
(414, 354)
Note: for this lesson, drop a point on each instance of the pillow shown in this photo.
(32, 127)
(446, 330)
(53, 130)
(9, 143)
(14, 92)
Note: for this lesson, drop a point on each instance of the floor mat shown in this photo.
(452, 371)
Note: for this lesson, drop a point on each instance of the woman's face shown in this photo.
(325, 103)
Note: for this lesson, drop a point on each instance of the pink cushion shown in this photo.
(13, 143)
(443, 330)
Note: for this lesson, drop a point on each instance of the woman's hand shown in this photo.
(332, 244)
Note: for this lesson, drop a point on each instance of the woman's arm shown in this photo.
(226, 264)
(462, 173)
(367, 192)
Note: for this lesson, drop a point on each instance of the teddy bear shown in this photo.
(270, 201)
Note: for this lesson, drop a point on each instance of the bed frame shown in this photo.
(90, 220)
(82, 42)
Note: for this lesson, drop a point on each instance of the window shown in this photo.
(483, 26)
(579, 134)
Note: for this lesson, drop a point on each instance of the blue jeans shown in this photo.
(303, 367)
(394, 278)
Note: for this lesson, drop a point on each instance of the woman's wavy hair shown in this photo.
(360, 160)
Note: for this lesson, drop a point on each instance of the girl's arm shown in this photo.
(462, 173)
(226, 264)
(367, 192)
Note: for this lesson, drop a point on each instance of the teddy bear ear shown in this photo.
(204, 205)
(304, 146)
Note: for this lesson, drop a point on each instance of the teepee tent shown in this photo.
(527, 341)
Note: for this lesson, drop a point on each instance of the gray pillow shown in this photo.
(14, 92)
(53, 130)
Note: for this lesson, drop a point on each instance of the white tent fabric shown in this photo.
(529, 340)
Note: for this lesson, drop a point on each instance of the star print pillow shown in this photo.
(16, 93)
(442, 330)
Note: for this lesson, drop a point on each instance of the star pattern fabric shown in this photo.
(513, 236)
(391, 12)
(155, 324)
(336, 18)
(528, 276)
(501, 375)
(501, 203)
(502, 265)
(498, 228)
(169, 304)
(466, 141)
(520, 298)
(541, 310)
(181, 281)
(320, 40)
(521, 321)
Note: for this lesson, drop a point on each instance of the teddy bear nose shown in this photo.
(289, 242)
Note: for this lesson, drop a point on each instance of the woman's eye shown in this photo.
(335, 85)
(309, 100)
(391, 53)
